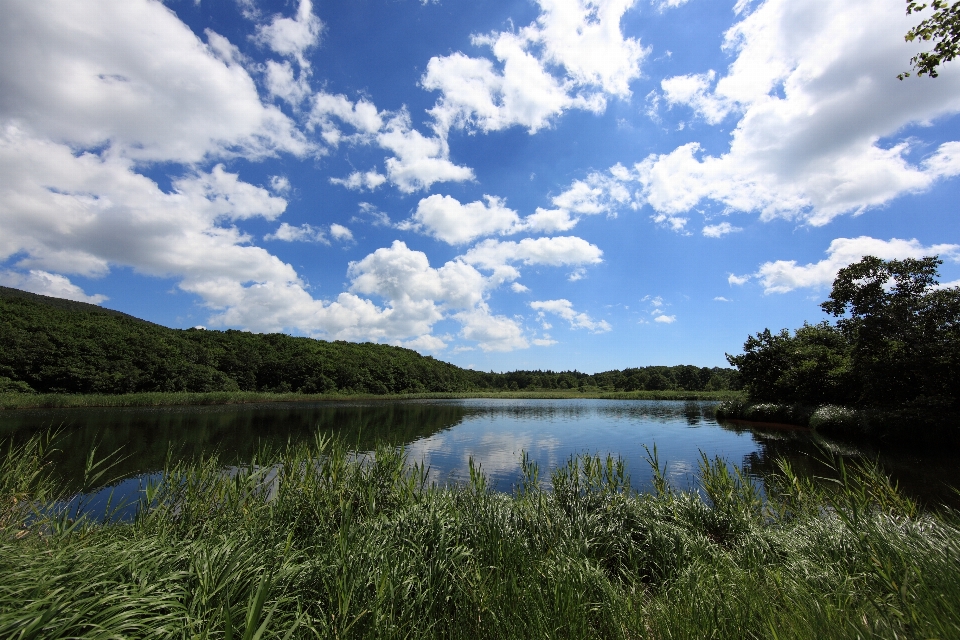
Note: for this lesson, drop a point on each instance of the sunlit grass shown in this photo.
(314, 541)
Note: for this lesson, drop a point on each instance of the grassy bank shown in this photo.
(64, 400)
(312, 542)
(918, 426)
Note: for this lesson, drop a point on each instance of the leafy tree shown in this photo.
(811, 366)
(903, 329)
(895, 345)
(943, 28)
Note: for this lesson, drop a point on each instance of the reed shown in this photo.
(155, 399)
(317, 541)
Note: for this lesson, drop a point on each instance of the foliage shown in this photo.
(811, 365)
(894, 351)
(943, 28)
(314, 541)
(904, 332)
(56, 346)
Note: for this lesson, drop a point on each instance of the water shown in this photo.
(446, 434)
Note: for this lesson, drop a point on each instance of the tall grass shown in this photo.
(316, 541)
(155, 399)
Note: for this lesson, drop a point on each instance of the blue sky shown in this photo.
(555, 184)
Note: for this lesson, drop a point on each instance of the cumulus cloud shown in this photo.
(48, 284)
(815, 90)
(564, 309)
(418, 161)
(782, 276)
(665, 319)
(499, 256)
(361, 115)
(92, 96)
(111, 76)
(340, 233)
(444, 218)
(282, 82)
(581, 37)
(292, 36)
(491, 332)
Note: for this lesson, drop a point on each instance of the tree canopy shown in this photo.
(896, 344)
(942, 28)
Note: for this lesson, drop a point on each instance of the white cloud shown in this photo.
(292, 36)
(559, 251)
(282, 83)
(418, 161)
(425, 343)
(111, 76)
(491, 332)
(279, 185)
(48, 284)
(786, 275)
(582, 37)
(94, 94)
(665, 319)
(738, 280)
(519, 288)
(694, 91)
(721, 299)
(370, 214)
(815, 87)
(564, 309)
(549, 221)
(544, 342)
(444, 218)
(663, 5)
(361, 115)
(598, 193)
(719, 230)
(358, 181)
(303, 233)
(340, 233)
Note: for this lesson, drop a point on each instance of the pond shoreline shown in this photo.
(907, 426)
(14, 401)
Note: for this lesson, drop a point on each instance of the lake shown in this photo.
(445, 434)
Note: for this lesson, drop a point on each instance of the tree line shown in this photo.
(50, 345)
(895, 346)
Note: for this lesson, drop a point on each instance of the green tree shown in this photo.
(810, 367)
(942, 28)
(903, 328)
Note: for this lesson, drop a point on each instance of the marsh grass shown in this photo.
(12, 400)
(316, 541)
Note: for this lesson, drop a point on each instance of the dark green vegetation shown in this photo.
(889, 367)
(57, 346)
(313, 542)
(942, 28)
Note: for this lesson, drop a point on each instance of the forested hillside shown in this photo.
(49, 345)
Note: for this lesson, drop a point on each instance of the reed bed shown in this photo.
(157, 399)
(315, 541)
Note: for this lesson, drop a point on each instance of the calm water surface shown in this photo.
(446, 434)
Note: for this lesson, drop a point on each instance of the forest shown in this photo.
(52, 345)
(893, 353)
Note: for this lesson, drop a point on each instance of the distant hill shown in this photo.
(63, 304)
(51, 345)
